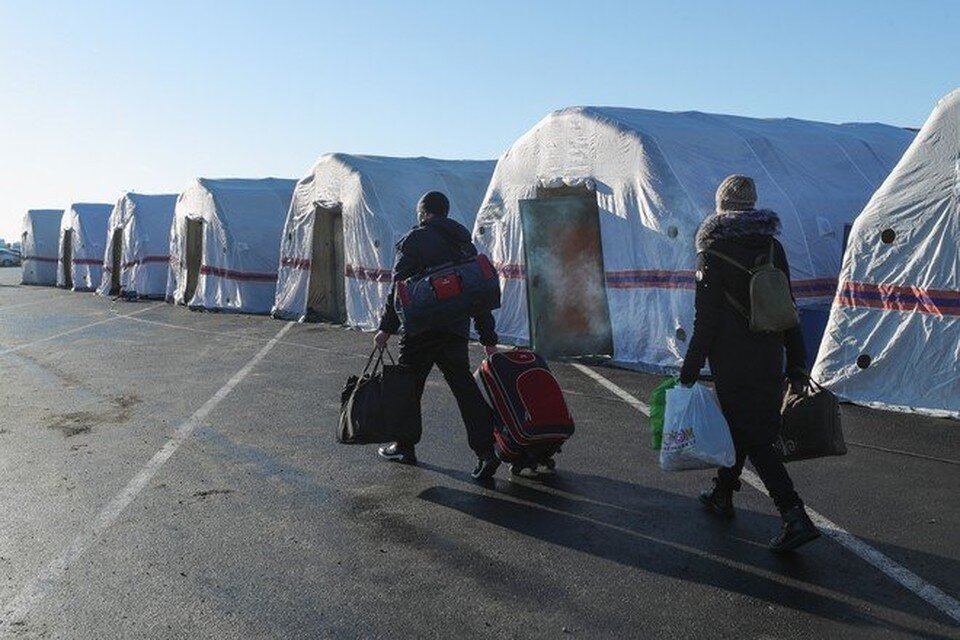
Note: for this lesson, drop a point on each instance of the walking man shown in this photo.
(748, 366)
(438, 240)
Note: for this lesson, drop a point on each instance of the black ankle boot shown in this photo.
(718, 501)
(797, 530)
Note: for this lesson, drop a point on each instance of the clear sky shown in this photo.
(101, 97)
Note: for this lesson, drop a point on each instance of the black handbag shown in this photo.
(380, 404)
(811, 424)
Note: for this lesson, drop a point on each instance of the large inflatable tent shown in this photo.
(591, 217)
(225, 243)
(345, 219)
(83, 232)
(136, 260)
(893, 338)
(39, 244)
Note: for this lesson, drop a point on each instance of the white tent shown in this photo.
(83, 231)
(650, 178)
(136, 260)
(893, 338)
(345, 219)
(39, 244)
(225, 243)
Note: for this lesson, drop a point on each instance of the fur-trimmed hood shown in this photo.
(736, 224)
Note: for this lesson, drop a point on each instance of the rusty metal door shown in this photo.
(566, 289)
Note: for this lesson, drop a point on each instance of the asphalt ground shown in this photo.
(173, 474)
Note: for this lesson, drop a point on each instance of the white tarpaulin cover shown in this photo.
(893, 338)
(88, 226)
(242, 222)
(655, 176)
(378, 198)
(144, 223)
(39, 244)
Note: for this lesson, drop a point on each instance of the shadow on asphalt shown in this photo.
(625, 523)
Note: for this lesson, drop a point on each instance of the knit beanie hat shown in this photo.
(736, 193)
(434, 203)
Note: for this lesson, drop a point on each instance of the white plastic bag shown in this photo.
(695, 433)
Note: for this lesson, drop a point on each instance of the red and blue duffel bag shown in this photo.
(533, 419)
(435, 297)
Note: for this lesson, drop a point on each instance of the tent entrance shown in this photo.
(327, 295)
(566, 290)
(194, 256)
(68, 258)
(116, 249)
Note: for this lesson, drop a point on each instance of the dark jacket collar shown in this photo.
(737, 224)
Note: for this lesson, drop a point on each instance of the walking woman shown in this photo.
(748, 366)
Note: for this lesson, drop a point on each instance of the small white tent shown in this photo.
(893, 338)
(136, 261)
(225, 243)
(83, 232)
(345, 219)
(593, 213)
(39, 244)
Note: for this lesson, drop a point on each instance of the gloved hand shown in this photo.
(687, 382)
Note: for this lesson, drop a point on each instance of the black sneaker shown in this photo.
(718, 501)
(486, 466)
(396, 452)
(797, 530)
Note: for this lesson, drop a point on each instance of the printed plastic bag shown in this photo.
(695, 433)
(658, 404)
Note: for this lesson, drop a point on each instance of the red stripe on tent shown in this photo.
(662, 279)
(938, 302)
(39, 259)
(244, 276)
(144, 260)
(296, 263)
(90, 261)
(364, 273)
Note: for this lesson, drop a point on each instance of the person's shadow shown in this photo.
(636, 526)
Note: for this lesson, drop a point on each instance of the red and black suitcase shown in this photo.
(533, 419)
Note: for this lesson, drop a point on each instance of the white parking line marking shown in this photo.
(36, 589)
(617, 391)
(898, 573)
(21, 347)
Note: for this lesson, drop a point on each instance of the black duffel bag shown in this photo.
(811, 424)
(380, 404)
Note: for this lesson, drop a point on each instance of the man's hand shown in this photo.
(489, 349)
(381, 339)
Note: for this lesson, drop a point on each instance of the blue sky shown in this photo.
(102, 97)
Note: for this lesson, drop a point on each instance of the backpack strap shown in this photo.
(727, 259)
(733, 301)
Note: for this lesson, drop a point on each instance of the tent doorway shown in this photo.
(327, 295)
(194, 256)
(68, 258)
(116, 253)
(566, 289)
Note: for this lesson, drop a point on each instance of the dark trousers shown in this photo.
(449, 352)
(771, 470)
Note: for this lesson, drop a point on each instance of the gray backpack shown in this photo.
(772, 308)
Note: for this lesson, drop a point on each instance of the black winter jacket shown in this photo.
(431, 244)
(748, 367)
